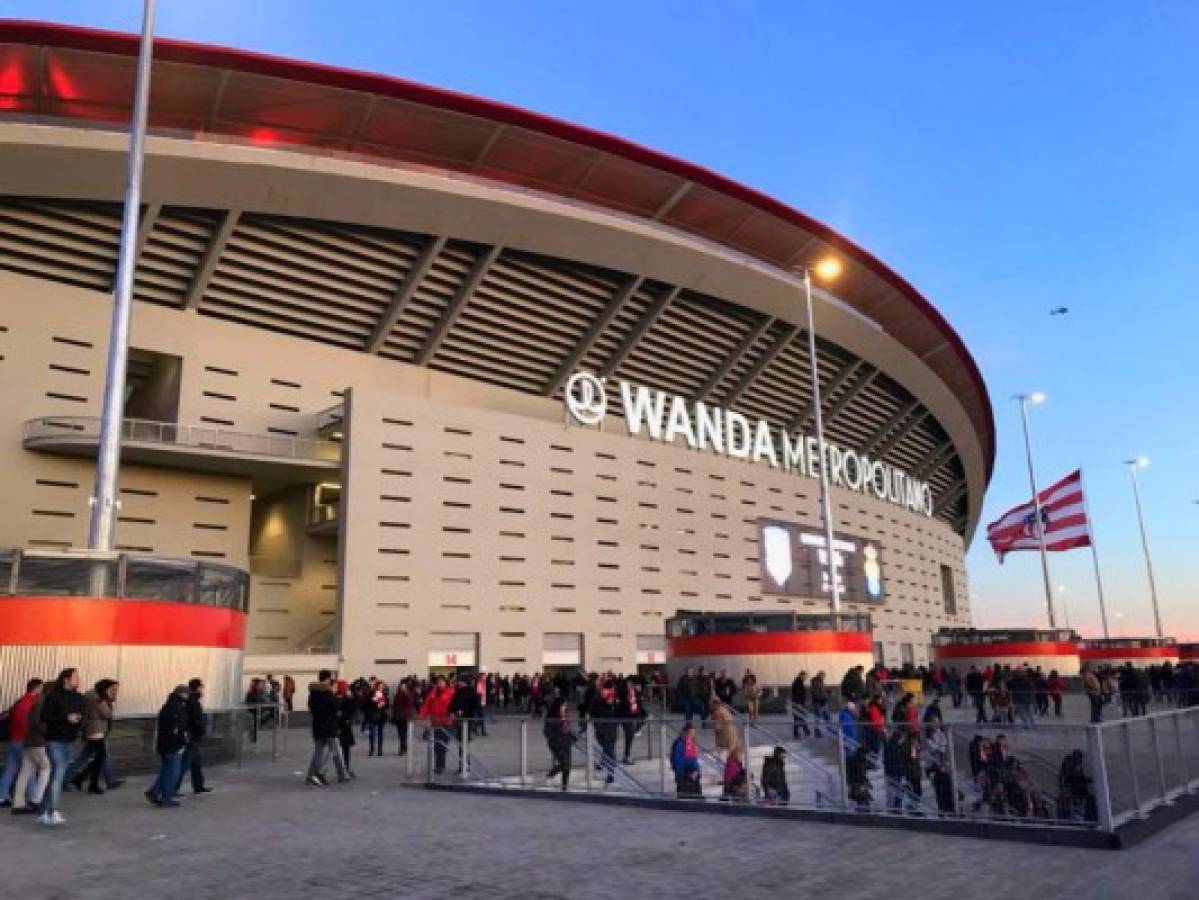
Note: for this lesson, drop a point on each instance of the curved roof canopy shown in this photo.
(63, 72)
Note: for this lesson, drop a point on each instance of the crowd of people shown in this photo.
(44, 758)
(57, 735)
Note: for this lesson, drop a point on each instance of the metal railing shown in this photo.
(49, 430)
(1057, 775)
(88, 573)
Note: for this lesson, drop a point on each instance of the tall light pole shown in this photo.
(1142, 462)
(102, 521)
(1026, 400)
(827, 269)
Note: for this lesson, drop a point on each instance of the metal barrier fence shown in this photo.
(1053, 775)
(84, 573)
(234, 735)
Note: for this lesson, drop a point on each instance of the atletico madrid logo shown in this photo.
(1030, 520)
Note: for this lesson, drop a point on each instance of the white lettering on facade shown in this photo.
(728, 433)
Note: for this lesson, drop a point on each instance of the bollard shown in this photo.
(1157, 755)
(589, 737)
(432, 740)
(464, 768)
(844, 793)
(410, 726)
(1182, 757)
(1132, 768)
(953, 772)
(1103, 794)
(662, 758)
(524, 752)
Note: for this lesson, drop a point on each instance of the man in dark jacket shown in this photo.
(799, 706)
(171, 745)
(197, 727)
(976, 687)
(603, 718)
(322, 705)
(631, 710)
(61, 717)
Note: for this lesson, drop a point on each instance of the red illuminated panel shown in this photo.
(771, 642)
(93, 620)
(411, 131)
(1022, 649)
(293, 107)
(18, 82)
(535, 159)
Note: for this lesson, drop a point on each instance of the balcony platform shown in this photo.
(194, 448)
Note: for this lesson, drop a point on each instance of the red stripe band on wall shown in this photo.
(105, 621)
(1129, 653)
(771, 642)
(1013, 648)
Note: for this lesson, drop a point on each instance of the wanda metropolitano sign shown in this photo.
(670, 418)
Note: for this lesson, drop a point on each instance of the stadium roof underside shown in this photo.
(486, 311)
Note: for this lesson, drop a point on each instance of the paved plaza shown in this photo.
(263, 835)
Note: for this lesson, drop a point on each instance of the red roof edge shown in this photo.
(173, 50)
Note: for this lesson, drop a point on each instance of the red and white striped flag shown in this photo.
(1063, 517)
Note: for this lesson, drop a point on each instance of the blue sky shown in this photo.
(1006, 158)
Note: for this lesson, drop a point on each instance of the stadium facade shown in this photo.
(458, 385)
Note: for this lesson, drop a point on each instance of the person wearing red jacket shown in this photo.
(18, 727)
(1057, 687)
(436, 709)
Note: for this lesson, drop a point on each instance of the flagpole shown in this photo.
(1086, 507)
(1025, 399)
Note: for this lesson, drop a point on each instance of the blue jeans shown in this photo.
(374, 730)
(168, 775)
(60, 753)
(12, 765)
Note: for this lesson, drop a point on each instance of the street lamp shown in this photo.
(827, 269)
(1026, 400)
(1142, 462)
(103, 517)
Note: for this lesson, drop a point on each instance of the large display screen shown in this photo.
(795, 562)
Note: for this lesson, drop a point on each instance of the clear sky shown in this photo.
(1007, 158)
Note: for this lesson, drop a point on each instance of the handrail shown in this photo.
(45, 429)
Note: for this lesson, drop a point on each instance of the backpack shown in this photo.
(675, 752)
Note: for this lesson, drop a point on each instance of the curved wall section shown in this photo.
(1061, 656)
(774, 657)
(147, 673)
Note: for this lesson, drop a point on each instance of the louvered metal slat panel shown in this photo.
(233, 312)
(74, 243)
(172, 254)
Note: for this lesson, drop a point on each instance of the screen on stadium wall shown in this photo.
(794, 563)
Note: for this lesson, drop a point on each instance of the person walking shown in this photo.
(684, 762)
(976, 688)
(402, 708)
(376, 718)
(559, 738)
(752, 694)
(322, 706)
(1057, 688)
(774, 777)
(799, 706)
(820, 714)
(603, 721)
(289, 692)
(345, 723)
(1094, 691)
(684, 693)
(197, 726)
(97, 722)
(62, 716)
(631, 710)
(171, 744)
(18, 728)
(436, 709)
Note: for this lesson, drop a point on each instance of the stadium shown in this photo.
(421, 381)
